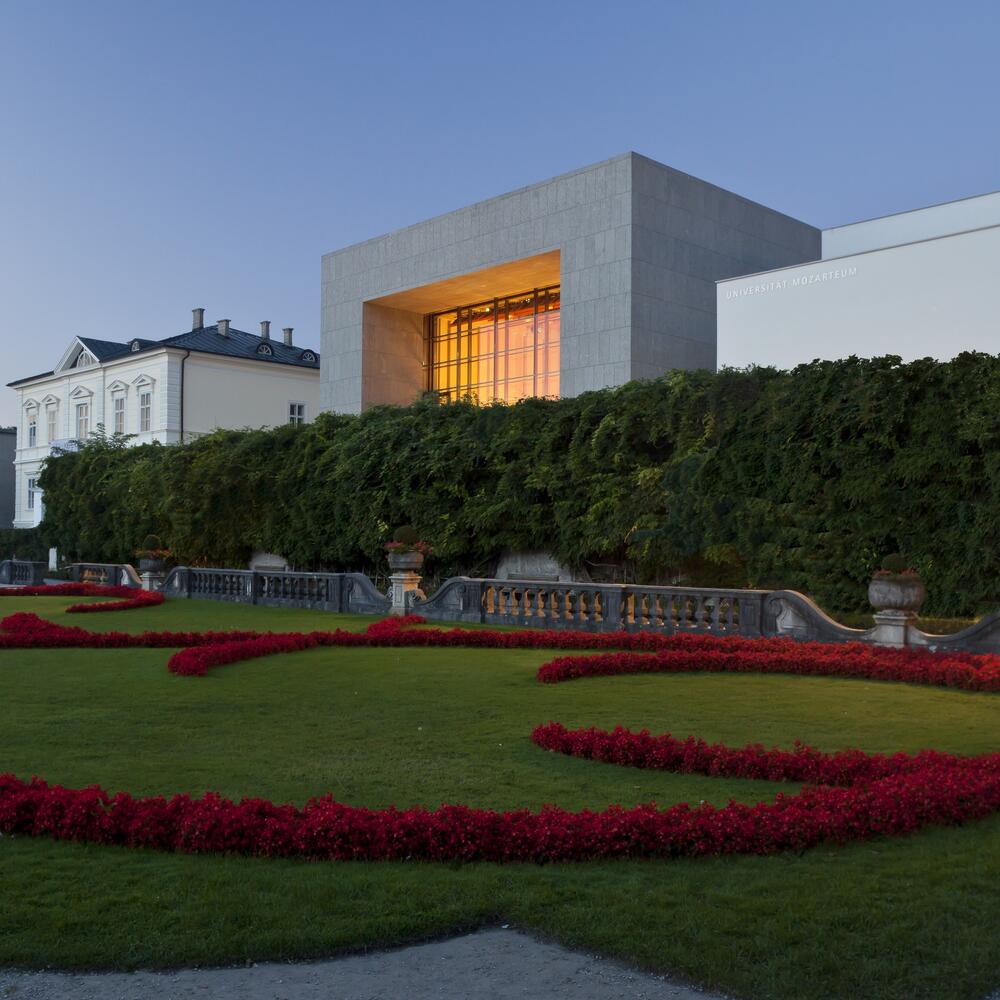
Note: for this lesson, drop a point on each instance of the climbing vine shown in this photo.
(801, 479)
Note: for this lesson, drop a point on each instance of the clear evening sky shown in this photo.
(161, 155)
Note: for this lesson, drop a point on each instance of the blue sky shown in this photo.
(161, 155)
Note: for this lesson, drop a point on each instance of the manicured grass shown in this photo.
(909, 917)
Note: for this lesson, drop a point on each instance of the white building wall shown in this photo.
(910, 227)
(223, 392)
(934, 298)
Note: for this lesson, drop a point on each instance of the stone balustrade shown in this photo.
(106, 574)
(585, 606)
(22, 573)
(343, 592)
(596, 607)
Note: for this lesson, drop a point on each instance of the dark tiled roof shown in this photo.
(239, 344)
(30, 378)
(207, 340)
(104, 350)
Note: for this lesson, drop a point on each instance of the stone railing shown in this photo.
(595, 607)
(22, 572)
(107, 574)
(590, 607)
(344, 592)
(789, 613)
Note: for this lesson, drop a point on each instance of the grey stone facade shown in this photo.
(8, 446)
(640, 246)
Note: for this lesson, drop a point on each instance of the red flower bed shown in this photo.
(25, 630)
(852, 795)
(968, 671)
(945, 793)
(196, 661)
(132, 597)
(679, 653)
(695, 756)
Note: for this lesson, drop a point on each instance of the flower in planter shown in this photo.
(406, 539)
(895, 566)
(152, 548)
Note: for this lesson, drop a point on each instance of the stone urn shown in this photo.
(150, 565)
(405, 562)
(897, 592)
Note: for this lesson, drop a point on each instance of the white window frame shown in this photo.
(145, 408)
(118, 412)
(33, 429)
(296, 413)
(83, 420)
(51, 423)
(32, 489)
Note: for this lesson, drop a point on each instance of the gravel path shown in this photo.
(488, 965)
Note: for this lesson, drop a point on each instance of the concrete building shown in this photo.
(917, 284)
(8, 445)
(587, 280)
(168, 390)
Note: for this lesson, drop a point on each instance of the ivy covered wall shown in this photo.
(801, 479)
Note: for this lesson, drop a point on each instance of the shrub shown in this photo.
(406, 535)
(895, 563)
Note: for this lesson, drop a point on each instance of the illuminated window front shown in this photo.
(504, 349)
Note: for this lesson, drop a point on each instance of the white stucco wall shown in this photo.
(224, 392)
(934, 298)
(909, 227)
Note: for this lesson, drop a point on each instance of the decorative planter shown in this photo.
(897, 593)
(403, 562)
(150, 565)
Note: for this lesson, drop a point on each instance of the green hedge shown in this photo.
(23, 543)
(801, 479)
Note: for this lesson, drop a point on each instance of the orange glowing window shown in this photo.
(501, 350)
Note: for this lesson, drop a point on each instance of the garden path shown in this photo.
(495, 964)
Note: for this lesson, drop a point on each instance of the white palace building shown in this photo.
(168, 390)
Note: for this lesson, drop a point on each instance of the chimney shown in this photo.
(265, 329)
(287, 331)
(197, 319)
(223, 327)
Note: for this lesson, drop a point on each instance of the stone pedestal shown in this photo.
(896, 598)
(404, 578)
(152, 581)
(892, 627)
(403, 582)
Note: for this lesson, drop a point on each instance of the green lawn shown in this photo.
(909, 917)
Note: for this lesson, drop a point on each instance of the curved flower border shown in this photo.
(851, 795)
(132, 597)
